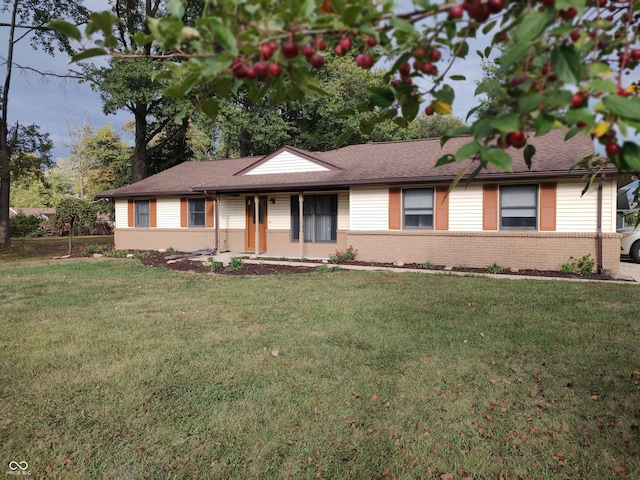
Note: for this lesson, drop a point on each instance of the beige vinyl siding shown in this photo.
(578, 213)
(122, 213)
(369, 209)
(279, 213)
(168, 211)
(343, 210)
(232, 212)
(286, 162)
(465, 209)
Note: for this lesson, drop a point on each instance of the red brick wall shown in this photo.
(523, 250)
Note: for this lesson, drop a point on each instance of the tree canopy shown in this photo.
(562, 63)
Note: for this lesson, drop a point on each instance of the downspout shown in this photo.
(301, 223)
(599, 228)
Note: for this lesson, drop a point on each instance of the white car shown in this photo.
(630, 242)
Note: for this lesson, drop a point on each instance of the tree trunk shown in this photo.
(139, 162)
(245, 142)
(5, 147)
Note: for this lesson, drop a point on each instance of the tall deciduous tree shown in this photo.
(98, 160)
(28, 21)
(134, 86)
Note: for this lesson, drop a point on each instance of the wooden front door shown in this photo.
(250, 235)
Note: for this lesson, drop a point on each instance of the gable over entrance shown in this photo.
(288, 160)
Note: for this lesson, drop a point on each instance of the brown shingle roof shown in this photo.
(368, 164)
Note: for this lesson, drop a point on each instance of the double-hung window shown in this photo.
(519, 207)
(320, 216)
(417, 208)
(142, 213)
(197, 212)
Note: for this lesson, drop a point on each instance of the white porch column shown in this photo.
(256, 219)
(301, 222)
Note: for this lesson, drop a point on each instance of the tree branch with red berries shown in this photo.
(561, 63)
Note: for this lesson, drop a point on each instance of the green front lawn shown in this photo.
(114, 370)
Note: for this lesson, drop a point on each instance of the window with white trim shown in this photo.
(417, 208)
(141, 213)
(197, 212)
(519, 207)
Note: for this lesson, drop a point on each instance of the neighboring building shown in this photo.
(44, 213)
(387, 200)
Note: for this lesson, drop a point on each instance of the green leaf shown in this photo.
(624, 107)
(103, 21)
(350, 14)
(401, 122)
(410, 110)
(467, 151)
(445, 159)
(529, 152)
(179, 118)
(630, 151)
(446, 95)
(65, 28)
(499, 158)
(507, 122)
(544, 124)
(402, 25)
(380, 96)
(533, 24)
(225, 37)
(488, 27)
(88, 53)
(528, 103)
(458, 77)
(456, 132)
(603, 85)
(141, 38)
(513, 55)
(211, 107)
(461, 49)
(575, 115)
(175, 8)
(344, 137)
(566, 64)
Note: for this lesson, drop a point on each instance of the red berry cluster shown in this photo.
(265, 66)
(478, 10)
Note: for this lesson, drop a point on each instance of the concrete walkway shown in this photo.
(629, 271)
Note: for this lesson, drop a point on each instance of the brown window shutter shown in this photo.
(490, 207)
(184, 212)
(548, 197)
(130, 213)
(442, 208)
(395, 209)
(209, 212)
(153, 213)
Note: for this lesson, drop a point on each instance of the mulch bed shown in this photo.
(181, 262)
